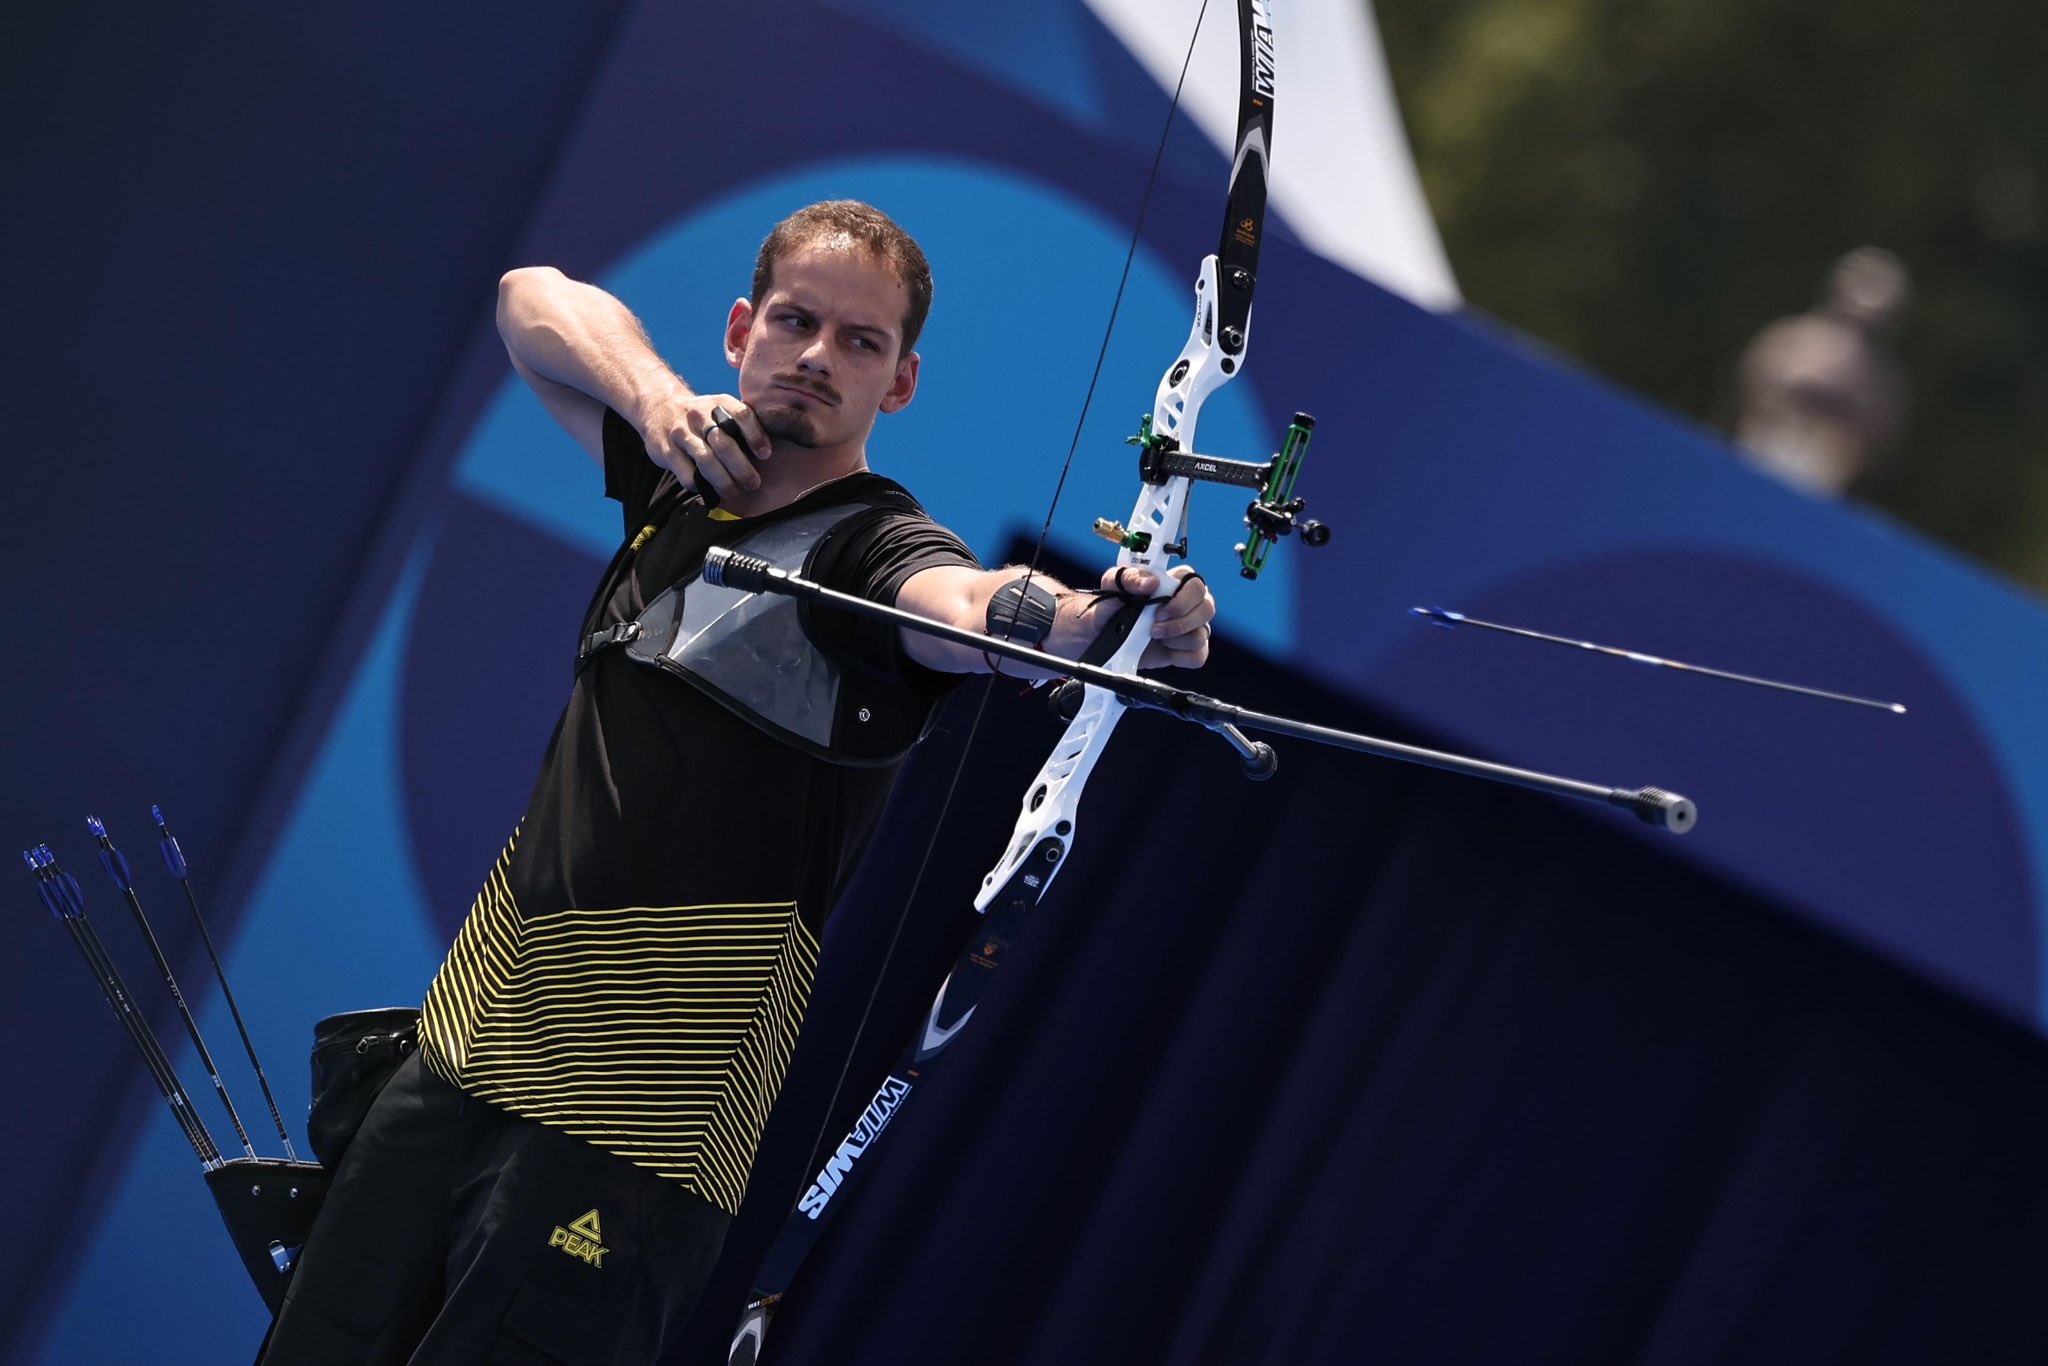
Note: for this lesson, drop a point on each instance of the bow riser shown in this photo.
(1054, 796)
(1202, 366)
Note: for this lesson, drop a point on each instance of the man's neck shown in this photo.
(785, 480)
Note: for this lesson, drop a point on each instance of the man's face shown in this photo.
(820, 356)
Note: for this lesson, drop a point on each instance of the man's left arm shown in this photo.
(960, 597)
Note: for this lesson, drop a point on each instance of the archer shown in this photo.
(559, 1161)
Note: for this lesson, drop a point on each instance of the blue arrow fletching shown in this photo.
(64, 886)
(174, 857)
(116, 865)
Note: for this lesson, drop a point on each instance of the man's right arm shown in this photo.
(581, 351)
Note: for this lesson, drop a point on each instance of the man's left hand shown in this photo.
(1180, 630)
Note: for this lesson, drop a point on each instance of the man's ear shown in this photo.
(904, 387)
(738, 324)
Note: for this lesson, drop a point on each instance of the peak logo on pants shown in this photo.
(583, 1238)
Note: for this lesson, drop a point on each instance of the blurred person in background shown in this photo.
(1820, 398)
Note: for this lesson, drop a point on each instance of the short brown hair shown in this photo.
(868, 228)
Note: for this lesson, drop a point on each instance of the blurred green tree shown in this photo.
(1644, 184)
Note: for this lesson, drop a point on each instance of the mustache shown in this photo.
(823, 391)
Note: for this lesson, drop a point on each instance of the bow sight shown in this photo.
(1273, 514)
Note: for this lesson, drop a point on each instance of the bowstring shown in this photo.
(1030, 571)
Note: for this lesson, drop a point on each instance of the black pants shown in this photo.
(456, 1232)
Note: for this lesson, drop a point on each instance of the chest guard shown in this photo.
(756, 655)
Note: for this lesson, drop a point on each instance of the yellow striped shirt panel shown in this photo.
(659, 1033)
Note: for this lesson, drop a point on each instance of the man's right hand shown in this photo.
(581, 351)
(683, 437)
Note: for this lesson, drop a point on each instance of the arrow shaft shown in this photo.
(163, 966)
(1637, 657)
(220, 974)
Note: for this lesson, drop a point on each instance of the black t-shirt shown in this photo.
(636, 966)
(645, 774)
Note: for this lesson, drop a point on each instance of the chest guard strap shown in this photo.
(756, 655)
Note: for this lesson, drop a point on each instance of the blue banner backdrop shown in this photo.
(1459, 465)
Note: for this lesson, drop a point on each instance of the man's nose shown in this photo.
(817, 356)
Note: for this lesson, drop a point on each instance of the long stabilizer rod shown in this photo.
(1654, 806)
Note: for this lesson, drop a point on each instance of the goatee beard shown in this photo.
(793, 425)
